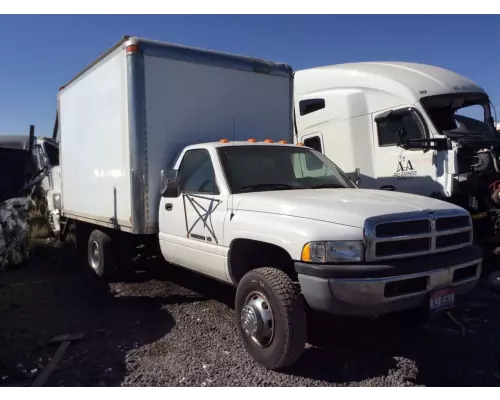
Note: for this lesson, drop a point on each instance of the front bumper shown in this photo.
(373, 289)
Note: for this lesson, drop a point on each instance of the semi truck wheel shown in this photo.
(271, 318)
(100, 254)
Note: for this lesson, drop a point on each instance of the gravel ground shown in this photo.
(169, 327)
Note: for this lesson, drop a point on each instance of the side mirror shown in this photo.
(401, 134)
(358, 177)
(170, 184)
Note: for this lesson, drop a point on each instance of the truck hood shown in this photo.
(341, 206)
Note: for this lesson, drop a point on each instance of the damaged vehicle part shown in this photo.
(14, 231)
(16, 189)
(466, 121)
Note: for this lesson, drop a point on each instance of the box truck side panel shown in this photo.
(95, 154)
(188, 102)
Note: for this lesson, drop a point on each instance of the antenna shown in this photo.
(232, 195)
(233, 130)
(56, 126)
(495, 111)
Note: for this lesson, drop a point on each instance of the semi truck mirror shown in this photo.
(358, 177)
(169, 184)
(401, 134)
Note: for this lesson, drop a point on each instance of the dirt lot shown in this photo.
(170, 327)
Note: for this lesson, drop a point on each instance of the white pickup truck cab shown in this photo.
(286, 226)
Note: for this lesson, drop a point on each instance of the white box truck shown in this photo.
(235, 202)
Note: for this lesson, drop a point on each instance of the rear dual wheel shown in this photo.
(100, 254)
(271, 317)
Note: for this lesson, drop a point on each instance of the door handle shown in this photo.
(169, 206)
(388, 187)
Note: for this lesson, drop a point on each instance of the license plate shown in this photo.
(442, 299)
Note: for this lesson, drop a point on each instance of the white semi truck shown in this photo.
(187, 148)
(407, 127)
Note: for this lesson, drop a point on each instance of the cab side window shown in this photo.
(408, 120)
(311, 105)
(196, 173)
(314, 143)
(312, 162)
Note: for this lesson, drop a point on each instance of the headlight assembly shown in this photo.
(338, 251)
(57, 201)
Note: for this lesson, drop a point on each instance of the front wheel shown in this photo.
(271, 318)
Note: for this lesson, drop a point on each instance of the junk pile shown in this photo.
(17, 184)
(14, 231)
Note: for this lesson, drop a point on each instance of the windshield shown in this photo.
(462, 113)
(265, 168)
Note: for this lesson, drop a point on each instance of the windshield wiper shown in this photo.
(329, 186)
(271, 186)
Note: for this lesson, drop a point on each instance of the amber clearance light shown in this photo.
(133, 48)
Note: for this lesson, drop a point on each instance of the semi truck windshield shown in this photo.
(464, 112)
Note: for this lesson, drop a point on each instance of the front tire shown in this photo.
(100, 254)
(271, 318)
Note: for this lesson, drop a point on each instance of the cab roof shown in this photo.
(14, 141)
(410, 81)
(239, 143)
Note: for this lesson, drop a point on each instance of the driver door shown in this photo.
(191, 224)
(409, 171)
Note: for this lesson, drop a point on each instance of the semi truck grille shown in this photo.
(418, 233)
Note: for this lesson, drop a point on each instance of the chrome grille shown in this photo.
(453, 240)
(391, 248)
(450, 223)
(408, 228)
(417, 233)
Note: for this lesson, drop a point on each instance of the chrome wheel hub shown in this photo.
(257, 319)
(94, 255)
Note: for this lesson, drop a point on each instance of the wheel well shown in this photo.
(246, 254)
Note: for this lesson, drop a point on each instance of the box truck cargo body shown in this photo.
(126, 117)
